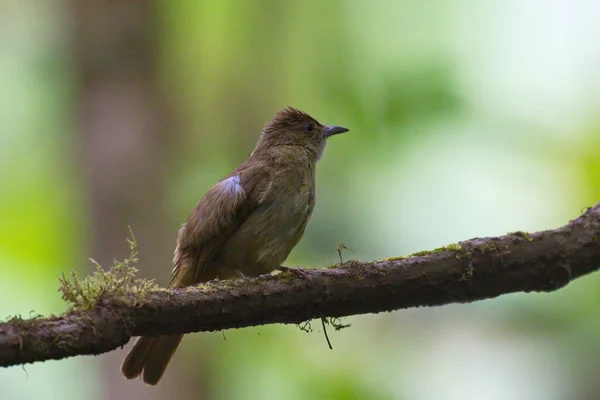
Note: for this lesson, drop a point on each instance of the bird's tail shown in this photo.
(149, 357)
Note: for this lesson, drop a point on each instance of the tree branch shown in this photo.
(475, 269)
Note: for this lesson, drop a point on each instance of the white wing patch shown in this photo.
(232, 186)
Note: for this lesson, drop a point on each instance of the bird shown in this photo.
(245, 225)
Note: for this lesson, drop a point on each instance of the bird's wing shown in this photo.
(222, 210)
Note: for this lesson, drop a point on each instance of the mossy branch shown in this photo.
(118, 281)
(111, 307)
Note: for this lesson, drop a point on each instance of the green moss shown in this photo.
(395, 258)
(119, 281)
(468, 273)
(498, 247)
(360, 270)
(286, 277)
(63, 340)
(224, 284)
(422, 253)
(451, 247)
(465, 254)
(524, 235)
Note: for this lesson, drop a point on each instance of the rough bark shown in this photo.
(471, 270)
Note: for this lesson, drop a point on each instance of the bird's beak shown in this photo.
(334, 130)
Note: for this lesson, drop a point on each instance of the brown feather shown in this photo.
(157, 360)
(287, 118)
(133, 364)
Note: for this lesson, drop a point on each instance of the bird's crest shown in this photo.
(288, 117)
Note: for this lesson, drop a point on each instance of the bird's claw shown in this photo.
(240, 274)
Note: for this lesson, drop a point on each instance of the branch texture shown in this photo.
(471, 270)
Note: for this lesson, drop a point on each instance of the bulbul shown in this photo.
(245, 225)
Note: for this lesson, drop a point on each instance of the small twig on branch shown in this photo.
(323, 322)
(471, 270)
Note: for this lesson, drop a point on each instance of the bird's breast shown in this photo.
(282, 222)
(270, 233)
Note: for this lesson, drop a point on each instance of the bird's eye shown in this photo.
(309, 127)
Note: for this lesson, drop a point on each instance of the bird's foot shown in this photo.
(299, 272)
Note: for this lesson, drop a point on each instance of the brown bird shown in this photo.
(245, 225)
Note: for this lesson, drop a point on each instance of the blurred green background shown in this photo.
(467, 118)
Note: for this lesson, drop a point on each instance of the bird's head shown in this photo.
(293, 128)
